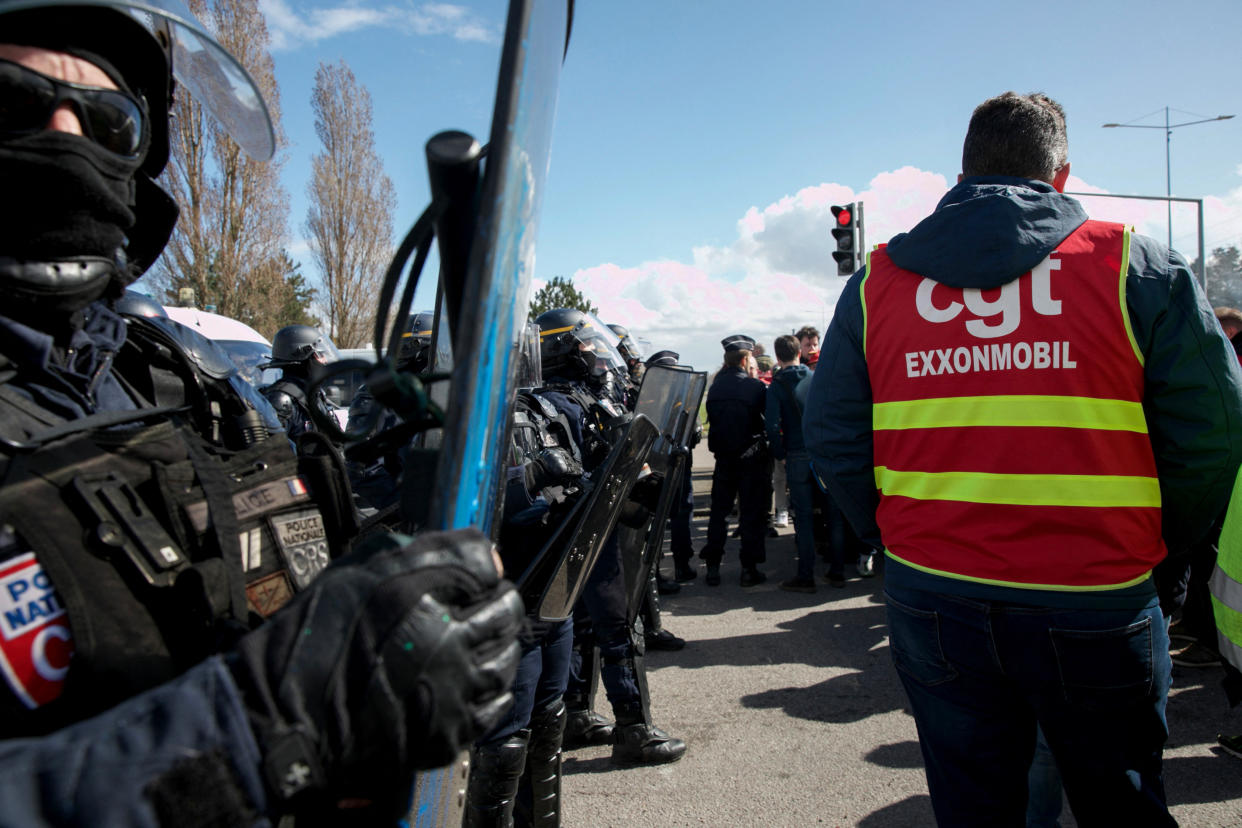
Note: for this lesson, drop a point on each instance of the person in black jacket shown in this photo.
(177, 601)
(743, 470)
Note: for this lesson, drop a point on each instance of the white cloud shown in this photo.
(779, 275)
(290, 29)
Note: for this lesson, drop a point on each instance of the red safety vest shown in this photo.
(1010, 442)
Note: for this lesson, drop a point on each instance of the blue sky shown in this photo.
(698, 145)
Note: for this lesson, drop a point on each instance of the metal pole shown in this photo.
(862, 238)
(1168, 172)
(1202, 269)
(1202, 253)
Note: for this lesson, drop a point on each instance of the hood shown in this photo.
(791, 375)
(986, 231)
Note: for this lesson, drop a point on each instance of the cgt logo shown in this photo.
(1008, 306)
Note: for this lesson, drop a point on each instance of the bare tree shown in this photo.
(349, 223)
(229, 242)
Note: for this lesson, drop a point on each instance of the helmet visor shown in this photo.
(200, 64)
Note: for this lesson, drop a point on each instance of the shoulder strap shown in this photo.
(58, 426)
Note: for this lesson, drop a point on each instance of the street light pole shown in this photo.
(1168, 141)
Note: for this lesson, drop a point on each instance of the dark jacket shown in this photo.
(986, 232)
(782, 414)
(734, 413)
(71, 382)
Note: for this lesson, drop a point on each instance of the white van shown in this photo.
(247, 347)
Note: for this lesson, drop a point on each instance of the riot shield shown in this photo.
(486, 231)
(551, 584)
(669, 396)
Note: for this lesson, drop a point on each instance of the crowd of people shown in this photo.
(225, 607)
(761, 467)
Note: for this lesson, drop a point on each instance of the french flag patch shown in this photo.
(297, 488)
(35, 642)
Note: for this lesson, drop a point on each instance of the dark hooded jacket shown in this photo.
(986, 232)
(783, 413)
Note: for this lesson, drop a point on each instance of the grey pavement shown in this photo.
(793, 715)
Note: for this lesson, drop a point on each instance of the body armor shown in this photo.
(143, 541)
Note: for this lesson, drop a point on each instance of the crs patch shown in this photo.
(35, 642)
(303, 542)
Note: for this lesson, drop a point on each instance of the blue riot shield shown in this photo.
(486, 233)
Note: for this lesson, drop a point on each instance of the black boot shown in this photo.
(684, 572)
(539, 793)
(494, 773)
(586, 728)
(639, 742)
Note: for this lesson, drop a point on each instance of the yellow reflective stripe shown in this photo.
(1096, 490)
(1020, 584)
(553, 331)
(1010, 410)
(1121, 293)
(1229, 631)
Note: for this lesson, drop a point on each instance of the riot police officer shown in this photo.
(516, 766)
(743, 467)
(571, 369)
(302, 353)
(631, 351)
(376, 479)
(683, 506)
(149, 540)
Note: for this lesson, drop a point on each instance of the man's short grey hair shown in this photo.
(1016, 135)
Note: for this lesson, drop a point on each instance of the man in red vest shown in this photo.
(1028, 410)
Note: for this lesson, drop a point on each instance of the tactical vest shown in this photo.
(144, 546)
(1010, 442)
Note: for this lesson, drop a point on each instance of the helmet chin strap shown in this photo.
(59, 286)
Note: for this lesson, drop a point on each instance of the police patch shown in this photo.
(35, 642)
(270, 593)
(303, 543)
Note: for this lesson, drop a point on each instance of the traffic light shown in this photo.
(844, 230)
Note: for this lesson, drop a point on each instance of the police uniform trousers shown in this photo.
(750, 481)
(679, 520)
(600, 620)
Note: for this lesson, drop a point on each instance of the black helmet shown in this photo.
(628, 346)
(131, 41)
(133, 303)
(416, 340)
(301, 345)
(567, 344)
(663, 358)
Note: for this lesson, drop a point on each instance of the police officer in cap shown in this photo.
(144, 684)
(743, 469)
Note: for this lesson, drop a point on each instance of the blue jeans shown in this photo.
(1043, 807)
(541, 677)
(980, 675)
(801, 498)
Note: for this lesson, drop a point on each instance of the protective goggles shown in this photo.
(113, 119)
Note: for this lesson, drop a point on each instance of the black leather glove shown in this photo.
(553, 466)
(395, 658)
(646, 491)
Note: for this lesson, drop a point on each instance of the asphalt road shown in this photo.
(793, 716)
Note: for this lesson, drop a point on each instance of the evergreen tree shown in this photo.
(1224, 277)
(559, 292)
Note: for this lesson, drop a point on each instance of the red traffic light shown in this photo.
(844, 217)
